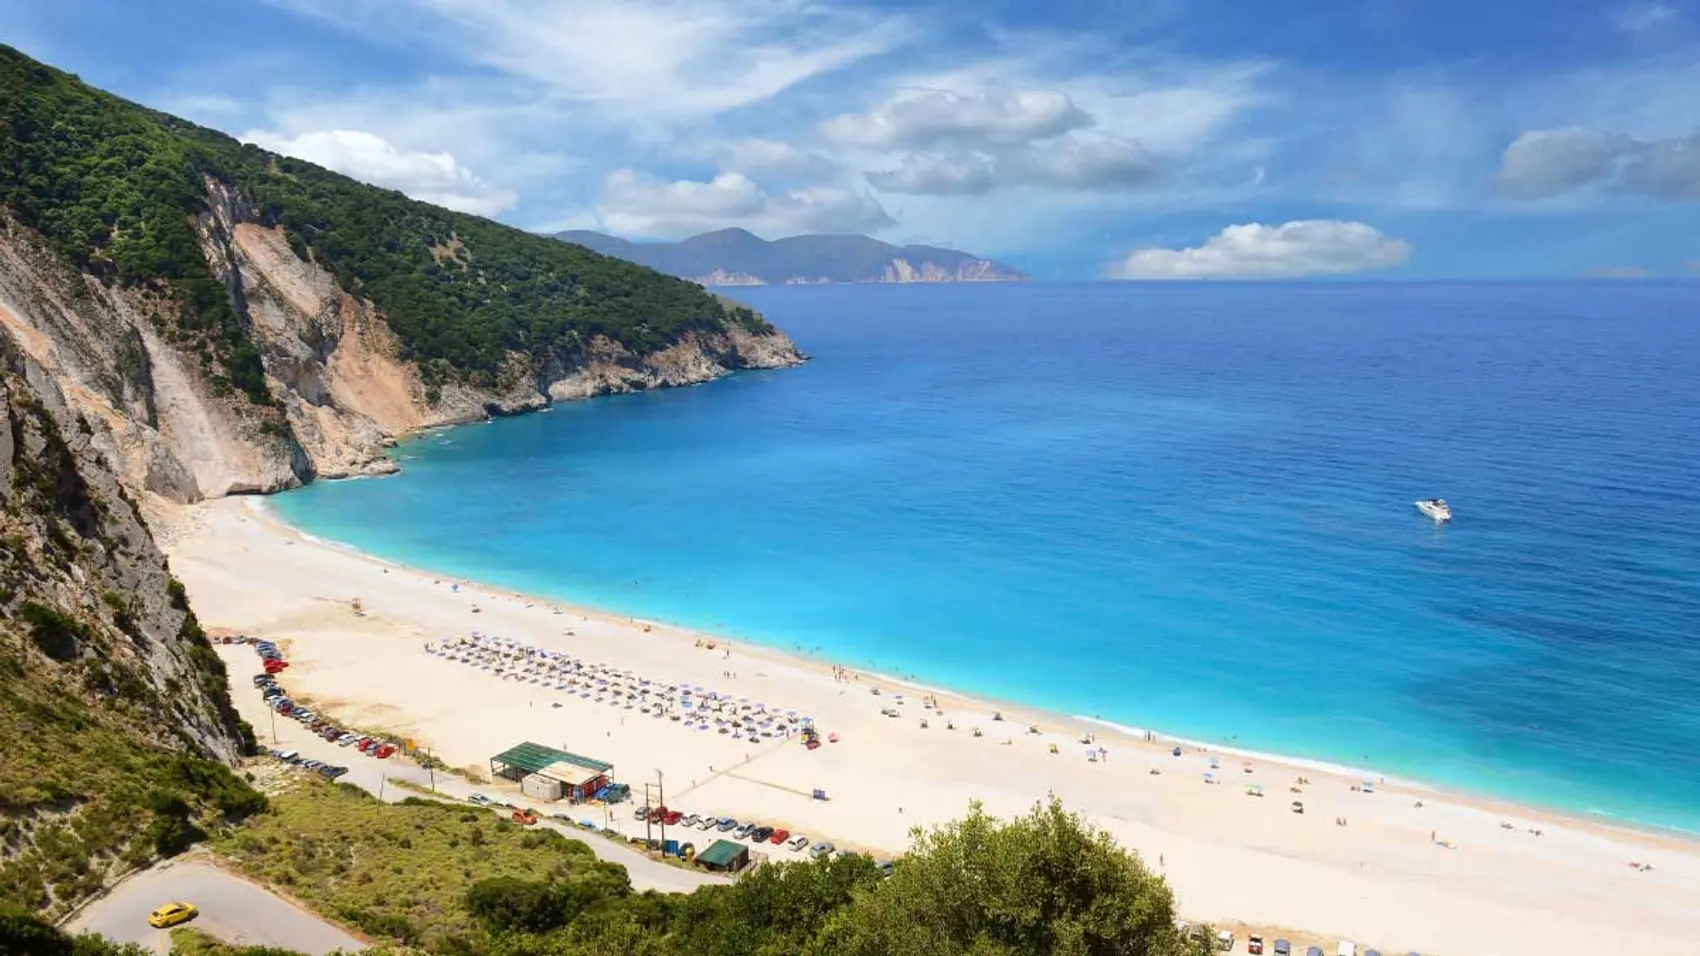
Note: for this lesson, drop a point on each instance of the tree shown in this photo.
(1046, 884)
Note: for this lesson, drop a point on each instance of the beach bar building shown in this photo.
(549, 774)
(724, 856)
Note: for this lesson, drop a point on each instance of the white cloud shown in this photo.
(933, 119)
(637, 204)
(1076, 162)
(1305, 247)
(1643, 17)
(757, 155)
(658, 58)
(1543, 163)
(429, 177)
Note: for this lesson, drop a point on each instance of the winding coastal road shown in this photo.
(231, 909)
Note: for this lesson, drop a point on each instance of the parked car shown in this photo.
(821, 849)
(726, 824)
(798, 842)
(1225, 941)
(1314, 951)
(1283, 948)
(743, 830)
(885, 867)
(383, 750)
(672, 817)
(1254, 944)
(690, 820)
(641, 813)
(779, 836)
(761, 834)
(288, 755)
(479, 799)
(707, 823)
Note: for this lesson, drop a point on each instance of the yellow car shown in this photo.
(171, 914)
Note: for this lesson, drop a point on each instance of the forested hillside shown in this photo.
(234, 321)
(117, 189)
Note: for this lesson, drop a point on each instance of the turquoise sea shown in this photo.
(1181, 507)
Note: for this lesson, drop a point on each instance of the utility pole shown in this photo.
(431, 768)
(274, 724)
(661, 793)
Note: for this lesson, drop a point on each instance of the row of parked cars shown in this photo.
(741, 830)
(279, 701)
(327, 770)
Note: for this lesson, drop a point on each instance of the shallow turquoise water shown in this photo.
(1178, 507)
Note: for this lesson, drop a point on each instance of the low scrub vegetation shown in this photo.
(459, 882)
(401, 871)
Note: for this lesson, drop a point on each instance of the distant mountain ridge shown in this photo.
(739, 257)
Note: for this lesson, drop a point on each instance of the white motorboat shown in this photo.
(1435, 508)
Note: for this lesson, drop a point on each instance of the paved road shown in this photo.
(378, 777)
(232, 909)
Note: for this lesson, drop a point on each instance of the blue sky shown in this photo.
(1073, 138)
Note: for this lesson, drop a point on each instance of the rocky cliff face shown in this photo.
(331, 362)
(115, 721)
(967, 270)
(80, 571)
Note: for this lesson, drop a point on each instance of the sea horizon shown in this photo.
(794, 445)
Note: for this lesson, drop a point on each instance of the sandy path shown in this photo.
(1379, 879)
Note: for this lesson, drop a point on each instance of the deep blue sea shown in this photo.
(1180, 507)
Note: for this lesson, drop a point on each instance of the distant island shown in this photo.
(739, 257)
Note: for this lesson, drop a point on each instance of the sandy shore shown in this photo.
(1444, 877)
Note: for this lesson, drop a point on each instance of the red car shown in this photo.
(383, 750)
(673, 817)
(779, 836)
(1254, 944)
(365, 744)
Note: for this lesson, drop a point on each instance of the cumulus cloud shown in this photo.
(931, 119)
(1543, 163)
(429, 177)
(1306, 247)
(1071, 162)
(758, 155)
(637, 204)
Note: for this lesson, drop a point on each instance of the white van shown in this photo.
(1347, 948)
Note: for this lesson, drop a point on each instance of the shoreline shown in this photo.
(1416, 870)
(262, 507)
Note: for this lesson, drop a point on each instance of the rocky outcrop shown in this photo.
(333, 367)
(965, 270)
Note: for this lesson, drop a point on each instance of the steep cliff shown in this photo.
(114, 714)
(231, 321)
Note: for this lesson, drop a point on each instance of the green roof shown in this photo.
(721, 853)
(531, 758)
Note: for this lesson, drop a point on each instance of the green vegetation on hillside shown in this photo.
(463, 882)
(402, 871)
(97, 774)
(116, 189)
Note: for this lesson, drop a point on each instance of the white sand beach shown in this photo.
(1444, 877)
